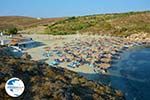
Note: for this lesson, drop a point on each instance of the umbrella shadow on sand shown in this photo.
(38, 44)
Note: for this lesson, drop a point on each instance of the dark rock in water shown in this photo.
(43, 82)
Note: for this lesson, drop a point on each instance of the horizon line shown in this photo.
(76, 15)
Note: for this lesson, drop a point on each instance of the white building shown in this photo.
(4, 42)
(20, 42)
(24, 43)
(1, 34)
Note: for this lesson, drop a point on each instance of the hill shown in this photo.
(120, 24)
(117, 24)
(43, 82)
(22, 22)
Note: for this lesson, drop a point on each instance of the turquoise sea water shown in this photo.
(133, 72)
(130, 74)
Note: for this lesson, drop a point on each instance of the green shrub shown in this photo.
(115, 24)
(12, 31)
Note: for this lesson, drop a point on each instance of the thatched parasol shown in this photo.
(106, 60)
(104, 65)
(47, 48)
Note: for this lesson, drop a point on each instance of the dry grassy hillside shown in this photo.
(118, 24)
(24, 22)
(121, 24)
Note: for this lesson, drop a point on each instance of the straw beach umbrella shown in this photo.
(104, 65)
(106, 60)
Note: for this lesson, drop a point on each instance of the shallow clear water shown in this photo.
(131, 74)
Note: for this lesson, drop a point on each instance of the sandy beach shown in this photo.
(52, 41)
(86, 54)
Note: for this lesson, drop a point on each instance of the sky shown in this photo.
(63, 8)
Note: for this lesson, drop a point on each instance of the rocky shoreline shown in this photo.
(45, 82)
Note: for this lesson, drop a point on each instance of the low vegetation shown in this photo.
(12, 31)
(44, 82)
(116, 24)
(21, 22)
(121, 24)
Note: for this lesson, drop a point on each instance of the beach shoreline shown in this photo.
(107, 48)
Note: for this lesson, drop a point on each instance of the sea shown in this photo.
(130, 74)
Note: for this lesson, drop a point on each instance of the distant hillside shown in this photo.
(22, 22)
(122, 24)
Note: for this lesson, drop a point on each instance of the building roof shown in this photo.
(21, 40)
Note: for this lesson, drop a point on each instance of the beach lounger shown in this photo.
(54, 63)
(67, 60)
(91, 65)
(60, 55)
(57, 60)
(58, 52)
(73, 64)
(76, 63)
(47, 54)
